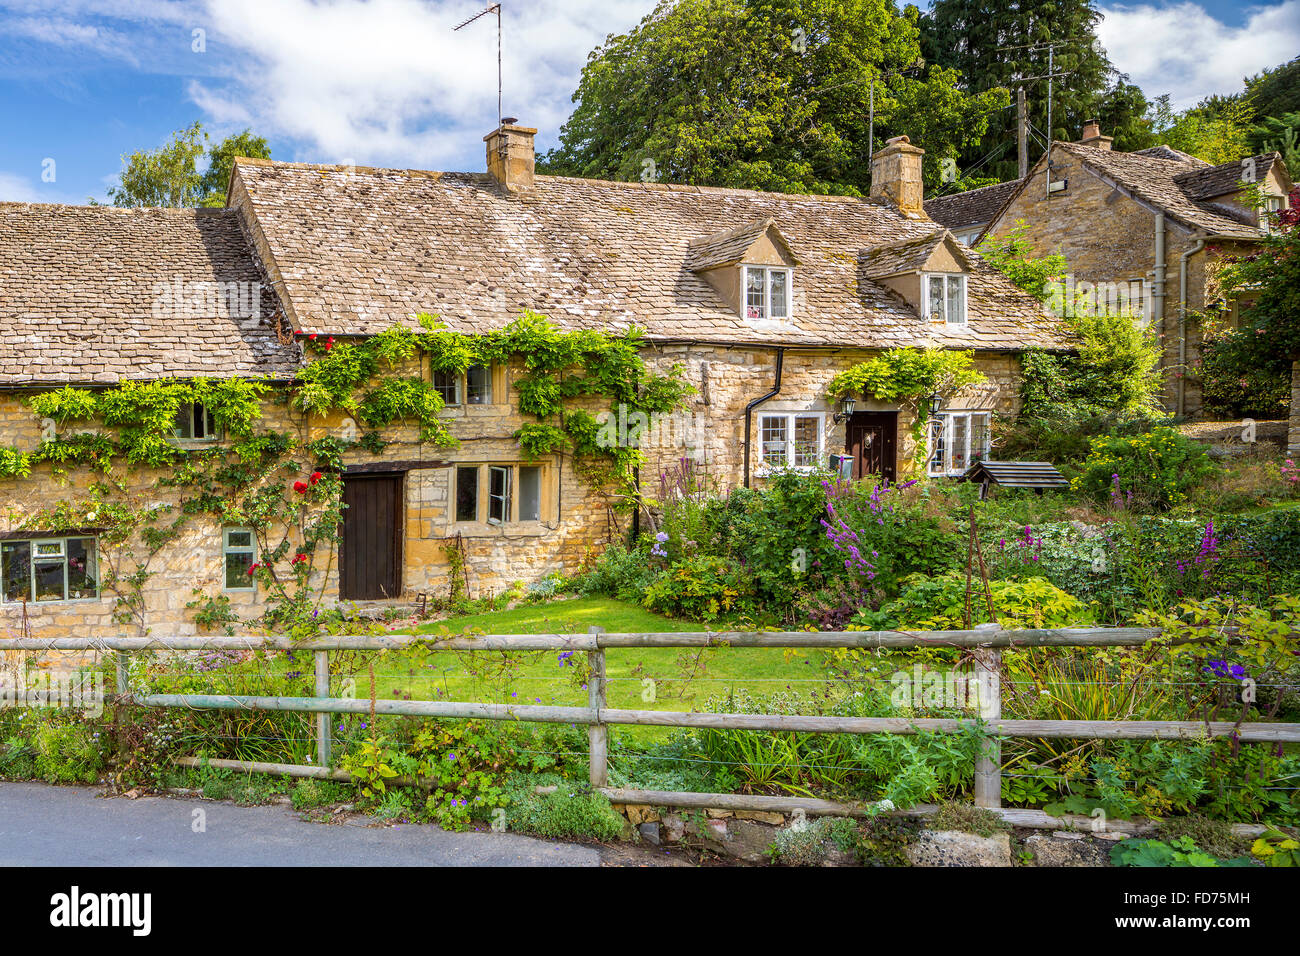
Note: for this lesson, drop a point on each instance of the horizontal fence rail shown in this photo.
(985, 643)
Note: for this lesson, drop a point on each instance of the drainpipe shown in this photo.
(1158, 275)
(749, 409)
(1182, 325)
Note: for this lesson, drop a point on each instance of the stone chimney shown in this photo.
(1092, 136)
(510, 157)
(896, 175)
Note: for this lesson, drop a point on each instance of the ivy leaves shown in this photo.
(907, 374)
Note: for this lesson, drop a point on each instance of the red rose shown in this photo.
(300, 487)
(315, 477)
(312, 336)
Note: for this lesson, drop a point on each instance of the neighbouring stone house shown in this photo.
(1139, 230)
(759, 298)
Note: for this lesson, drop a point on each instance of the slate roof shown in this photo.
(1179, 188)
(910, 256)
(1210, 181)
(971, 208)
(361, 249)
(729, 247)
(88, 296)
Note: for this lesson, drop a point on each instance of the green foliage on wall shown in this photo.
(907, 375)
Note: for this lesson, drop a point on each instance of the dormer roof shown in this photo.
(733, 246)
(912, 256)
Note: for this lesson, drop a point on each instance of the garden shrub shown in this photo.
(67, 750)
(569, 812)
(1151, 471)
(700, 588)
(939, 603)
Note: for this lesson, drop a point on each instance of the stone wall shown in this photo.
(577, 519)
(1107, 237)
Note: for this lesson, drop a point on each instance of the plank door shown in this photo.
(370, 553)
(871, 439)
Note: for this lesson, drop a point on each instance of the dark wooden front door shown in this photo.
(370, 554)
(872, 441)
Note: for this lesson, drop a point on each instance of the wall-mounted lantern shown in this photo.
(846, 409)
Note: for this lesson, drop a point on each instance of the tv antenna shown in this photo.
(492, 8)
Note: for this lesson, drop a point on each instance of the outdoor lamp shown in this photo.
(936, 404)
(846, 409)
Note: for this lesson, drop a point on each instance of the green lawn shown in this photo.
(682, 678)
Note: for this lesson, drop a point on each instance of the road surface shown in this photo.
(74, 826)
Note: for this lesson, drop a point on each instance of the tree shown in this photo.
(1010, 255)
(169, 176)
(763, 94)
(1259, 353)
(1001, 43)
(1214, 132)
(221, 160)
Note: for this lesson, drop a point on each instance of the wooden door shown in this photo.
(871, 439)
(370, 554)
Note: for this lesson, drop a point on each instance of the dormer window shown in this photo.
(945, 297)
(767, 292)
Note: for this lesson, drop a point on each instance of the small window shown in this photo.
(957, 441)
(498, 494)
(447, 384)
(775, 438)
(467, 494)
(945, 298)
(767, 293)
(791, 440)
(530, 493)
(194, 422)
(237, 550)
(49, 569)
(478, 385)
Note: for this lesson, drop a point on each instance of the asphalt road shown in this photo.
(74, 826)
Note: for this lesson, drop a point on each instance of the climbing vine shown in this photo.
(288, 490)
(908, 376)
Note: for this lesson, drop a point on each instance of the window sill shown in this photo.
(83, 600)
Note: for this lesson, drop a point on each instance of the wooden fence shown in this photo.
(985, 644)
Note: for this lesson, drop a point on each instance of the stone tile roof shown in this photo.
(971, 208)
(911, 256)
(360, 249)
(88, 295)
(1157, 182)
(1168, 152)
(1210, 181)
(729, 247)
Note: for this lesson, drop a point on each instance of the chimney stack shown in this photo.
(1092, 135)
(896, 175)
(510, 157)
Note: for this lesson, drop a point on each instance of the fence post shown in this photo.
(597, 733)
(122, 681)
(988, 765)
(323, 720)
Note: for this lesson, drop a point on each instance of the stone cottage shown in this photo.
(1139, 230)
(759, 298)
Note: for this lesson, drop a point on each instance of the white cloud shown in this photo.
(388, 82)
(15, 187)
(1182, 50)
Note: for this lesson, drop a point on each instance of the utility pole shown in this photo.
(1051, 49)
(1022, 133)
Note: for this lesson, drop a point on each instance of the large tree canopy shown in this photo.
(1002, 43)
(169, 175)
(764, 94)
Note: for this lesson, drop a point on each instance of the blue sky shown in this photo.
(387, 82)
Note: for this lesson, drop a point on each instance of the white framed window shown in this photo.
(238, 555)
(957, 440)
(767, 292)
(49, 569)
(499, 493)
(194, 422)
(1268, 215)
(792, 440)
(945, 297)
